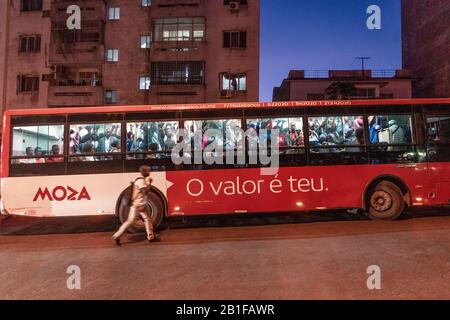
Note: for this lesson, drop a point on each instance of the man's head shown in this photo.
(55, 149)
(145, 171)
(108, 133)
(37, 151)
(29, 151)
(168, 130)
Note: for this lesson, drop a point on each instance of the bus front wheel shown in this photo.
(385, 201)
(155, 205)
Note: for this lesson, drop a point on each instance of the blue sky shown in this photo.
(325, 34)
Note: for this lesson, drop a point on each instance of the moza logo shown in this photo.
(61, 193)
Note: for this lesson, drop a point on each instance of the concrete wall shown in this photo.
(426, 45)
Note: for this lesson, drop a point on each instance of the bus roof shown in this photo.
(231, 105)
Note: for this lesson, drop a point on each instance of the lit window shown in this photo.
(112, 55)
(146, 42)
(144, 83)
(114, 13)
(234, 82)
(146, 3)
(179, 29)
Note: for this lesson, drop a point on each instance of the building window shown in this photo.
(233, 82)
(30, 43)
(114, 13)
(235, 39)
(111, 96)
(31, 5)
(146, 42)
(179, 29)
(364, 93)
(144, 83)
(188, 72)
(27, 83)
(112, 55)
(146, 3)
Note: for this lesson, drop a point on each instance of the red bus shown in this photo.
(379, 156)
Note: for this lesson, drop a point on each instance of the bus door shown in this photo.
(438, 151)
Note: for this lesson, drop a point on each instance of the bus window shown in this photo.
(335, 131)
(391, 139)
(226, 134)
(438, 139)
(151, 140)
(216, 136)
(291, 140)
(37, 144)
(91, 142)
(290, 131)
(390, 129)
(439, 130)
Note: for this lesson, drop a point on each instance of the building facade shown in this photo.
(128, 52)
(302, 85)
(426, 46)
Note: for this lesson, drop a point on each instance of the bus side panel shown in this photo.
(440, 175)
(292, 189)
(59, 196)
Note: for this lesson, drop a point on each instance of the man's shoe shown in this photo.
(116, 242)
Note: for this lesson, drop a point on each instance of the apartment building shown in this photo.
(128, 52)
(305, 85)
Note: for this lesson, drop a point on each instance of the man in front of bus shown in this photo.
(139, 206)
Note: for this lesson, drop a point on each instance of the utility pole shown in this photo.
(363, 59)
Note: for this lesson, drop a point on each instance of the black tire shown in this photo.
(385, 202)
(154, 202)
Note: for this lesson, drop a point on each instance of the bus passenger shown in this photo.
(38, 153)
(56, 155)
(29, 154)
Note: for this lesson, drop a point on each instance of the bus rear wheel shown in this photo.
(155, 204)
(385, 201)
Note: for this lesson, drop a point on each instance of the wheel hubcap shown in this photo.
(381, 201)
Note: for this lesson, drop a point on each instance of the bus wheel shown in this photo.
(156, 205)
(385, 202)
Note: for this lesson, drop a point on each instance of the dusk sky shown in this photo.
(325, 34)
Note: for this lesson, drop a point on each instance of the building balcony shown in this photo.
(75, 95)
(77, 53)
(174, 8)
(90, 9)
(171, 50)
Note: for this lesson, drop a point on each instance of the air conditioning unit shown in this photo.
(235, 5)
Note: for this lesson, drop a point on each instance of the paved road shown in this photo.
(326, 260)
